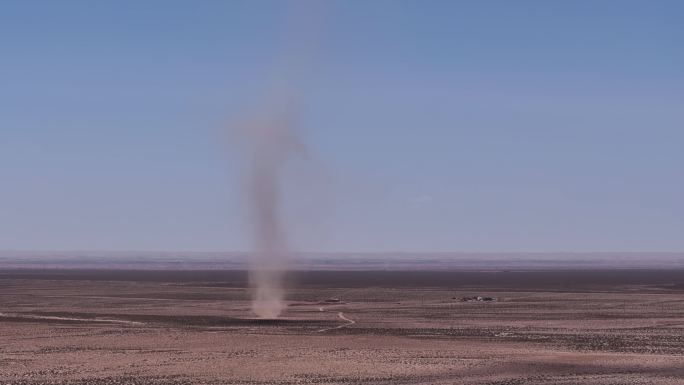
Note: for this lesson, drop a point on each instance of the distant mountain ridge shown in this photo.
(148, 260)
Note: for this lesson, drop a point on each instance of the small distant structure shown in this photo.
(477, 299)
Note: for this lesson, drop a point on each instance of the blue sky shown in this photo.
(433, 126)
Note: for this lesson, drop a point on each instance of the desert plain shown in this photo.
(564, 326)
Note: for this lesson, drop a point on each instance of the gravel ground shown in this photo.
(95, 331)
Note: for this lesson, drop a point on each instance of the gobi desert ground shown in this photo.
(101, 326)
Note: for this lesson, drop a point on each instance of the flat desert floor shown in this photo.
(346, 327)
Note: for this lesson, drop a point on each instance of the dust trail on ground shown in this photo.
(342, 317)
(56, 318)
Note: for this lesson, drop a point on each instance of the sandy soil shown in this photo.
(193, 327)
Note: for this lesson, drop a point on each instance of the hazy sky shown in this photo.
(469, 126)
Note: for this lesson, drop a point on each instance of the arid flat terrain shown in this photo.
(68, 326)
